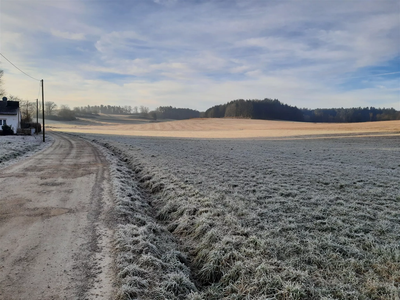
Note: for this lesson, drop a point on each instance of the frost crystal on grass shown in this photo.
(14, 148)
(259, 219)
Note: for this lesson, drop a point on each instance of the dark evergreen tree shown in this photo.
(266, 109)
(169, 112)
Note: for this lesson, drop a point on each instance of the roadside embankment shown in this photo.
(149, 259)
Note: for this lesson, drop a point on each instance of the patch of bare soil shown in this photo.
(55, 231)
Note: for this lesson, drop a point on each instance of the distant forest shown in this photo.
(350, 115)
(162, 112)
(267, 109)
(169, 112)
(105, 109)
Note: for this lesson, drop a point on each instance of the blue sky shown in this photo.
(197, 54)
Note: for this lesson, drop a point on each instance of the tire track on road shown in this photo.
(54, 238)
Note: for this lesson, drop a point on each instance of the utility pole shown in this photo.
(37, 116)
(43, 110)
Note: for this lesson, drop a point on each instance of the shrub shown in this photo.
(37, 126)
(7, 130)
(66, 114)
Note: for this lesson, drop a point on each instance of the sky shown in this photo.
(197, 54)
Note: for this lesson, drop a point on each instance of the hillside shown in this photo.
(220, 128)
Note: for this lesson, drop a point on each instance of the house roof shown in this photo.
(9, 107)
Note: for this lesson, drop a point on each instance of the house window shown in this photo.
(3, 122)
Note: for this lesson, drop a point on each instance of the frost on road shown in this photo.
(53, 210)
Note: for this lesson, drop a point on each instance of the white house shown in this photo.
(10, 114)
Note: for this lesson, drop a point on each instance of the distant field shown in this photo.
(220, 128)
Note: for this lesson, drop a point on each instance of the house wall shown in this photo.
(12, 120)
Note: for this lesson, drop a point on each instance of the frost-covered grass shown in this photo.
(150, 265)
(257, 219)
(14, 148)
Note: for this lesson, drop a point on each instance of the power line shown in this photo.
(40, 86)
(19, 68)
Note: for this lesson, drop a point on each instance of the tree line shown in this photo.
(269, 109)
(161, 112)
(111, 109)
(266, 109)
(350, 115)
(169, 112)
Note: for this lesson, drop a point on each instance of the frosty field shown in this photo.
(314, 218)
(13, 148)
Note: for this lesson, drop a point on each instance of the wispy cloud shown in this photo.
(68, 35)
(201, 53)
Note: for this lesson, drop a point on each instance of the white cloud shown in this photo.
(68, 35)
(165, 2)
(111, 43)
(255, 73)
(204, 52)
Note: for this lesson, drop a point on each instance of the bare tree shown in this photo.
(49, 107)
(153, 115)
(65, 113)
(28, 108)
(144, 111)
(2, 91)
(135, 110)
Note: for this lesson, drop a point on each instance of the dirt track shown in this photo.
(54, 233)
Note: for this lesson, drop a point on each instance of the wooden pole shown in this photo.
(44, 139)
(37, 116)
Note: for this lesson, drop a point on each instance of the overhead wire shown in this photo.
(19, 68)
(40, 87)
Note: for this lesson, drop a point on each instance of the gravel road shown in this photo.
(55, 224)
